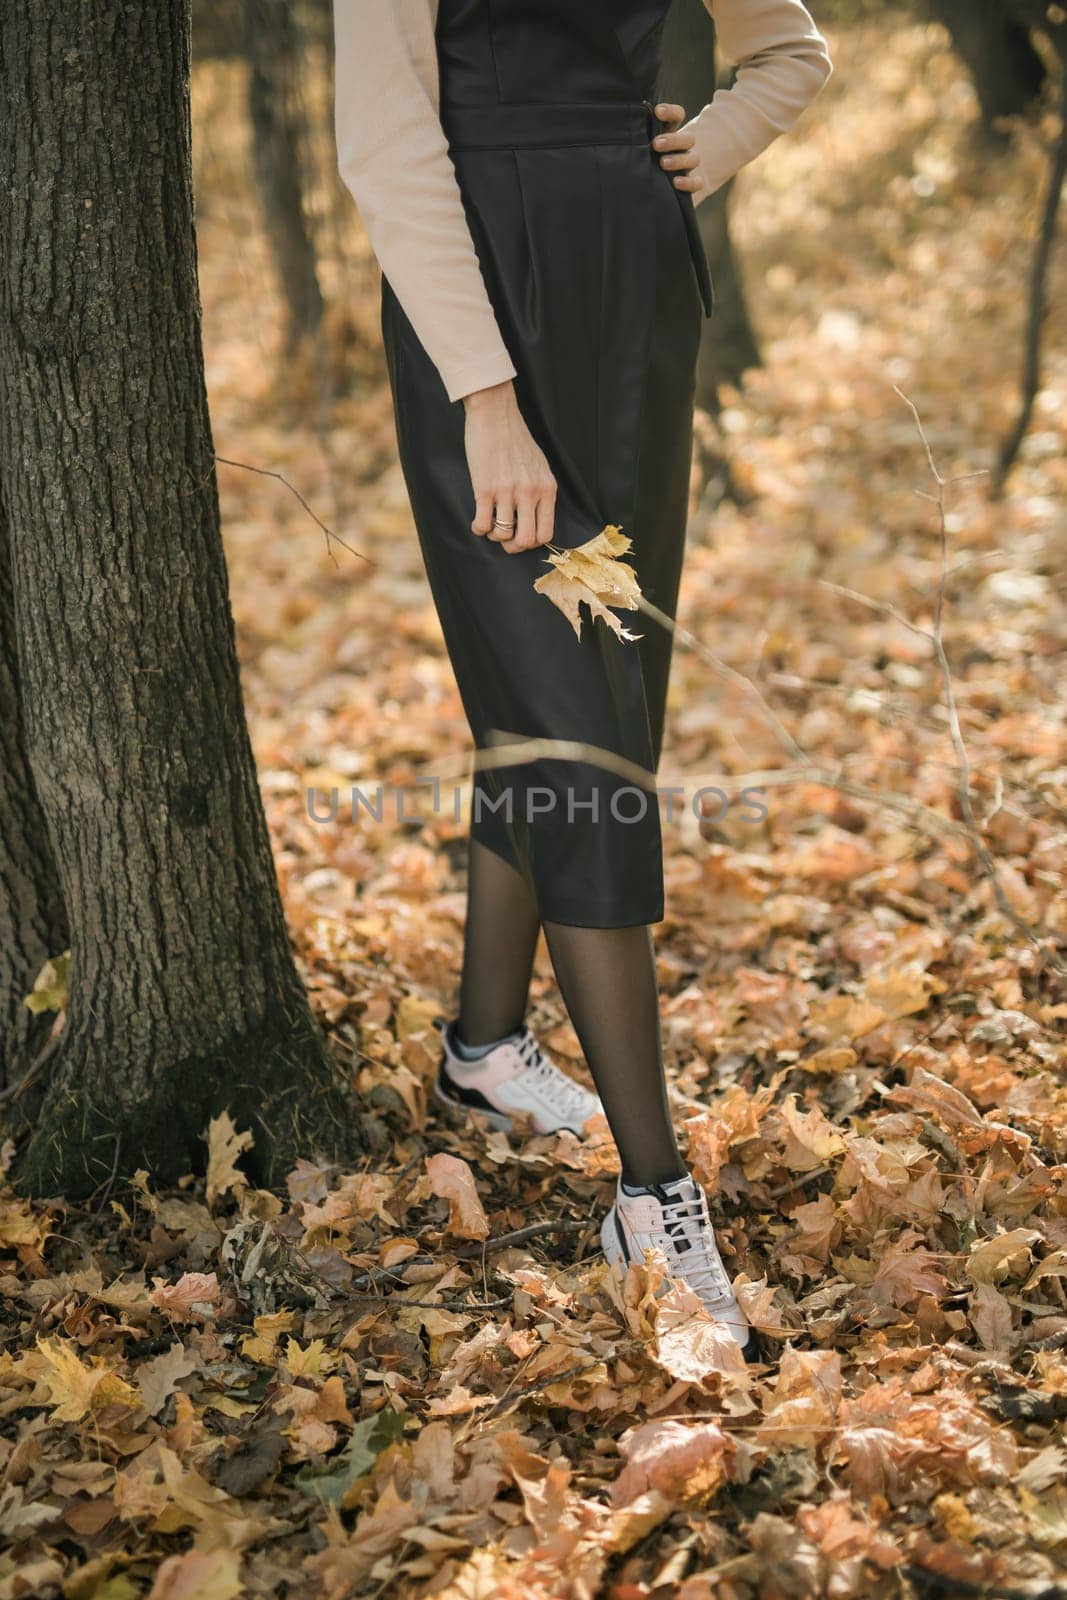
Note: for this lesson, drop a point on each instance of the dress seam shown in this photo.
(598, 389)
(491, 29)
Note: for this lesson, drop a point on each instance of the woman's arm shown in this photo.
(393, 157)
(782, 63)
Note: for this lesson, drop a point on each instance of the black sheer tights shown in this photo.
(607, 977)
(498, 949)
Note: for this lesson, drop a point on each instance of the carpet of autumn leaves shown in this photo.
(415, 1378)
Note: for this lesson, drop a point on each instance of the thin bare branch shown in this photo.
(269, 472)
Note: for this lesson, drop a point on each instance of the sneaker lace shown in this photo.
(689, 1229)
(561, 1092)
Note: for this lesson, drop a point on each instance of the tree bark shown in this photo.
(729, 346)
(184, 996)
(277, 154)
(33, 921)
(993, 40)
(1037, 300)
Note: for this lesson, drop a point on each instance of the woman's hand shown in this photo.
(677, 151)
(514, 490)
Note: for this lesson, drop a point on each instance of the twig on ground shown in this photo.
(504, 1241)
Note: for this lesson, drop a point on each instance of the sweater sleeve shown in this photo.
(782, 63)
(393, 157)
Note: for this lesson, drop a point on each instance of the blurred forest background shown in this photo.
(394, 1388)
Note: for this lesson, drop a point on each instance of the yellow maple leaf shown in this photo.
(224, 1145)
(594, 576)
(21, 1226)
(313, 1362)
(262, 1344)
(51, 988)
(75, 1389)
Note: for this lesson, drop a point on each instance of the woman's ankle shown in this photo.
(473, 1049)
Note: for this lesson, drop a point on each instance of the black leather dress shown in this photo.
(595, 271)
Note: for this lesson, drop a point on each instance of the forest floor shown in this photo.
(864, 1027)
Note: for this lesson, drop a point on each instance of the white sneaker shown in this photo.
(514, 1077)
(673, 1218)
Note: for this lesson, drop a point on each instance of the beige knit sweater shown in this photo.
(394, 158)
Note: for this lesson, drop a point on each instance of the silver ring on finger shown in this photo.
(508, 527)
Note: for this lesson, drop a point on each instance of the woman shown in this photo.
(544, 283)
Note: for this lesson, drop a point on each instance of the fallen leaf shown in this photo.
(225, 1145)
(199, 1575)
(158, 1378)
(51, 987)
(195, 1295)
(1007, 1255)
(74, 1389)
(451, 1179)
(370, 1437)
(684, 1461)
(690, 1345)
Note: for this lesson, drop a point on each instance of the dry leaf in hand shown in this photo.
(593, 575)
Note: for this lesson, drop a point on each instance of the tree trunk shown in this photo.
(729, 346)
(184, 996)
(995, 45)
(33, 922)
(277, 153)
(218, 30)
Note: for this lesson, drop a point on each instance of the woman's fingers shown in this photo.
(667, 111)
(683, 155)
(535, 517)
(679, 157)
(683, 169)
(504, 518)
(514, 489)
(525, 535)
(546, 516)
(669, 143)
(483, 512)
(517, 519)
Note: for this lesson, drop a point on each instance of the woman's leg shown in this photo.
(607, 977)
(498, 950)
